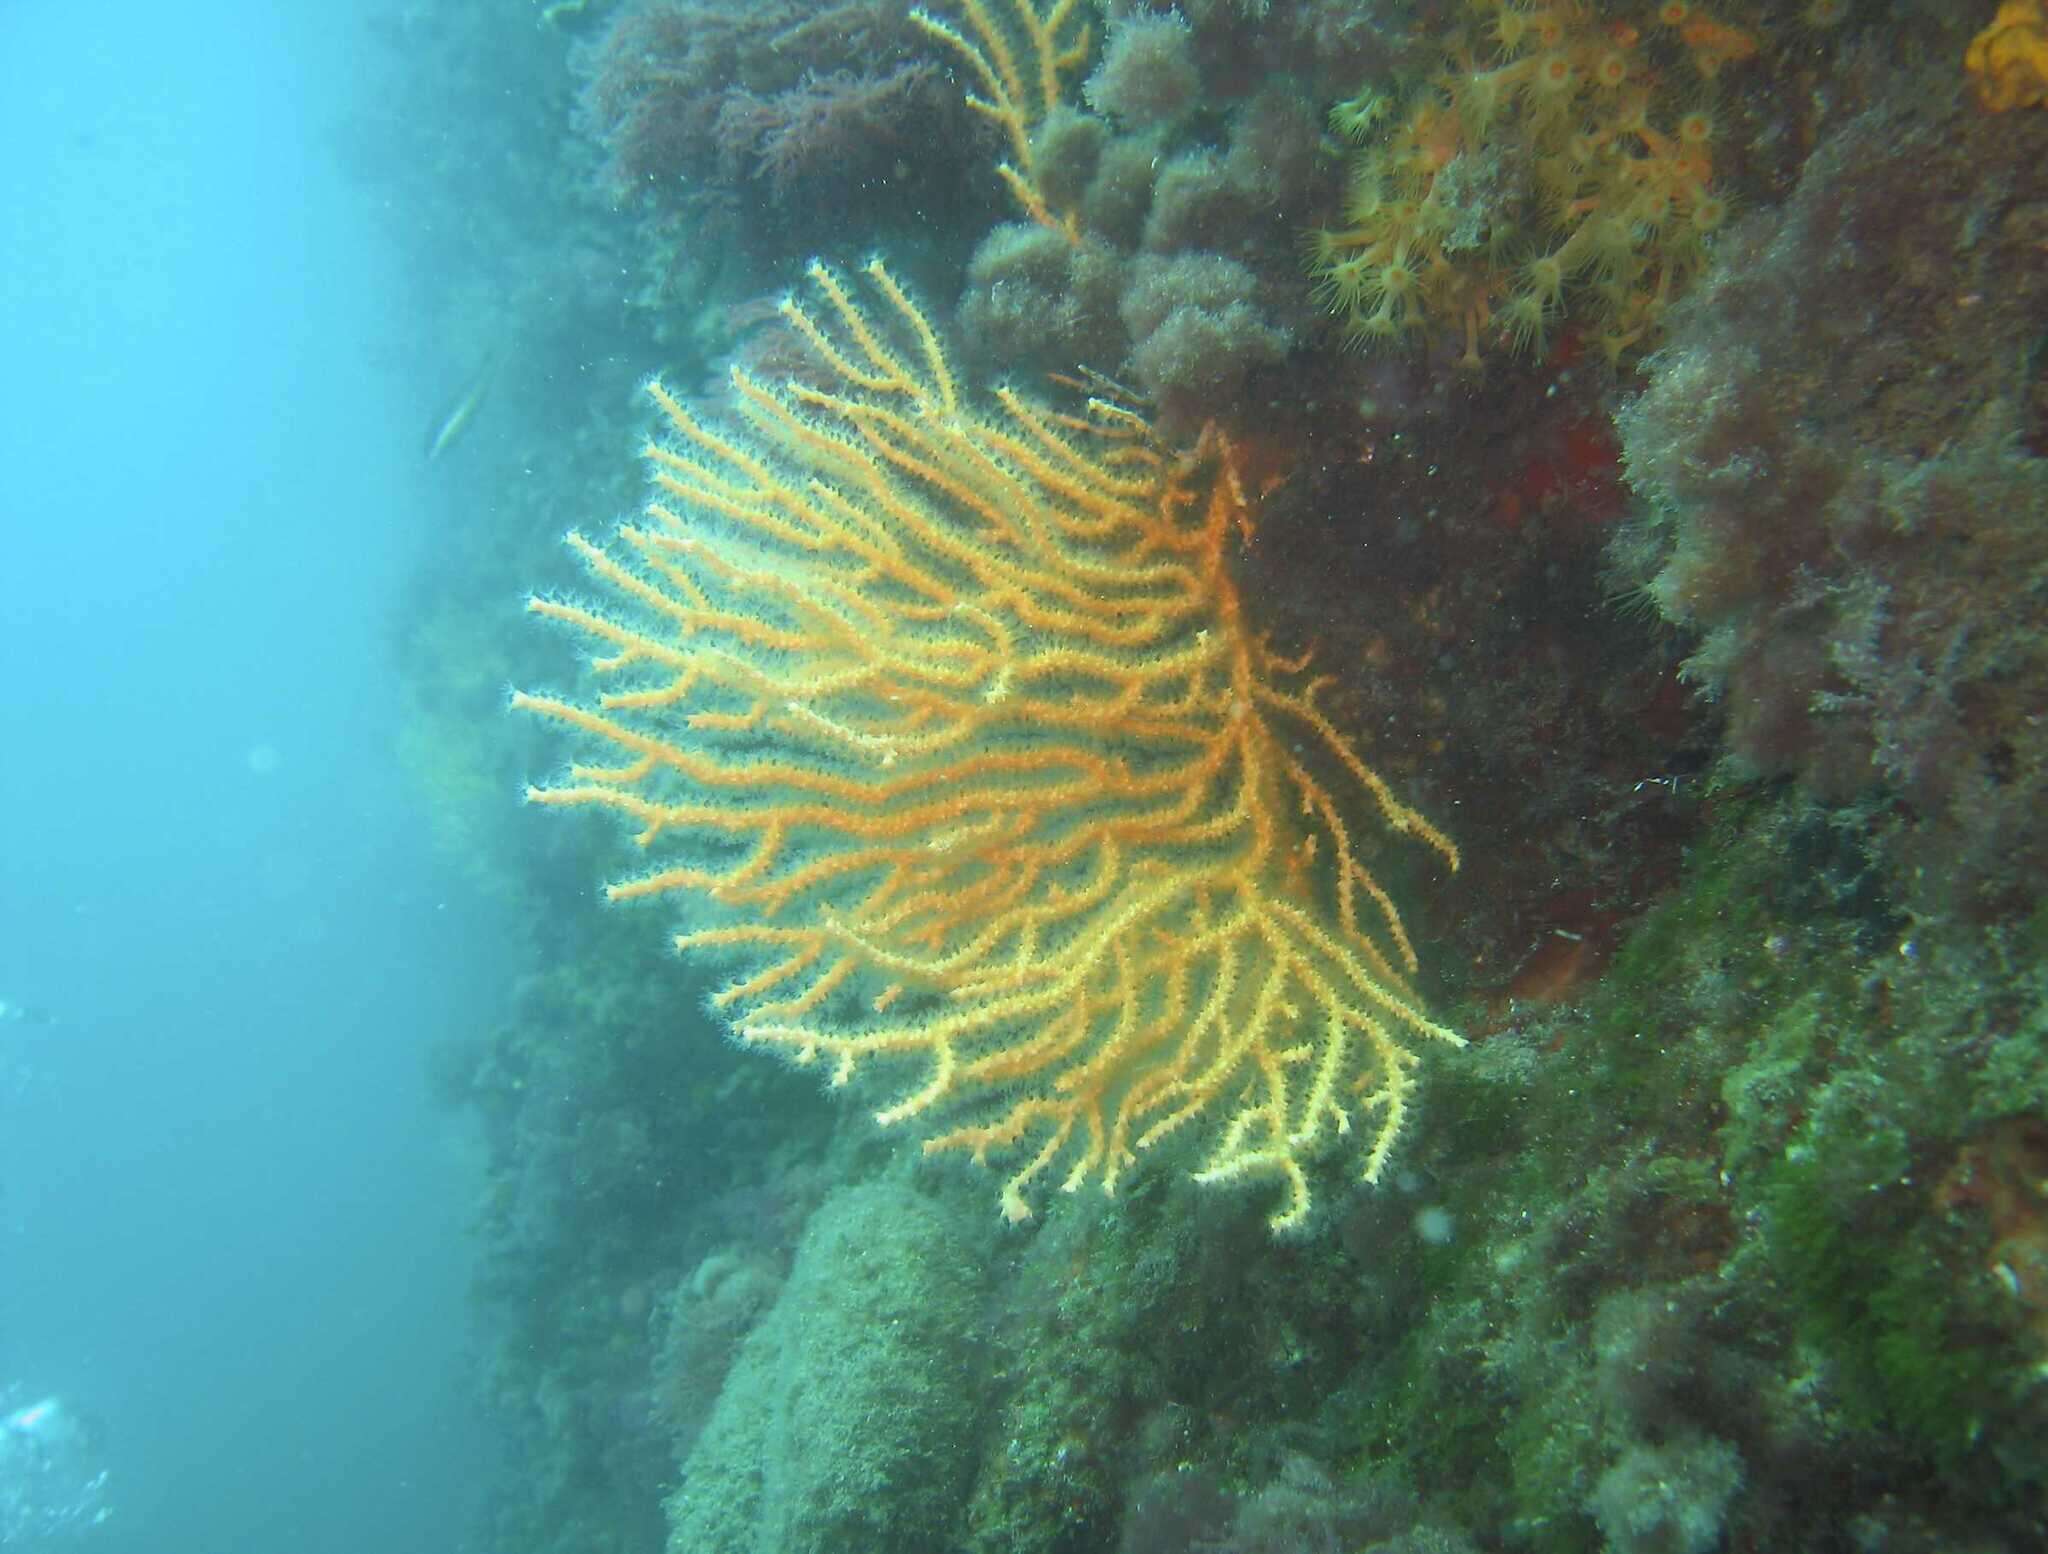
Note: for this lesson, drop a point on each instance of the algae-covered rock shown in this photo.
(841, 1423)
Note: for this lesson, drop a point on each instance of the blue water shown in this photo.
(232, 1223)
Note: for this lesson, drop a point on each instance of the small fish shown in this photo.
(12, 1013)
(456, 421)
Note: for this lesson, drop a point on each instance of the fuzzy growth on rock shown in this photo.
(1841, 451)
(1147, 75)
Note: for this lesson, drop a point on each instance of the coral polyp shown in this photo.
(1573, 126)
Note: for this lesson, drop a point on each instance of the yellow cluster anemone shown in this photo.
(2009, 58)
(1555, 162)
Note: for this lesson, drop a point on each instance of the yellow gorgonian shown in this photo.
(945, 721)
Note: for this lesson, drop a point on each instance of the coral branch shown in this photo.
(953, 726)
(1017, 97)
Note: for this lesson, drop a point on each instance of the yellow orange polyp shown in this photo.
(1571, 113)
(962, 753)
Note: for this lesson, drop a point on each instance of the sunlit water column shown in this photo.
(231, 1224)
